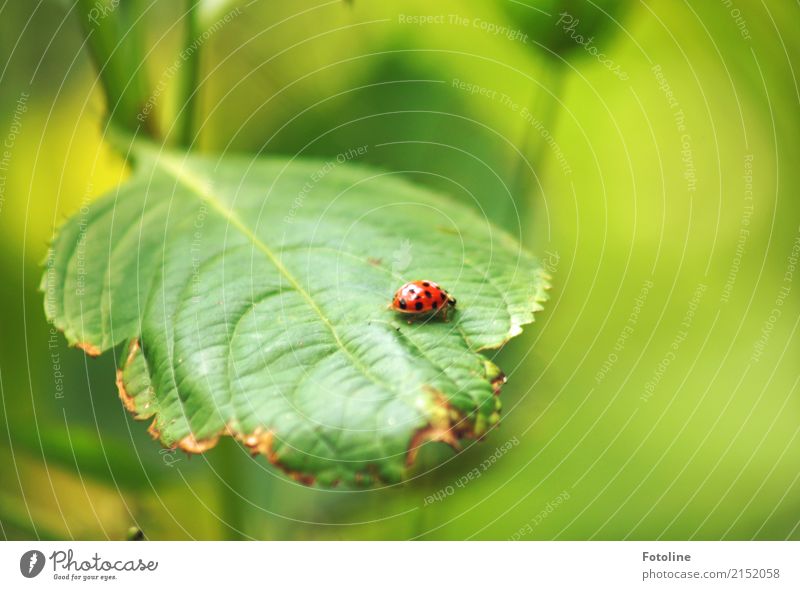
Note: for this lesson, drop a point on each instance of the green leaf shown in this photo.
(253, 297)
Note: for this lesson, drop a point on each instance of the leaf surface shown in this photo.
(252, 295)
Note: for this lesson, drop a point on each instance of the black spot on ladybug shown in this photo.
(418, 305)
(427, 294)
(435, 305)
(426, 284)
(442, 297)
(403, 304)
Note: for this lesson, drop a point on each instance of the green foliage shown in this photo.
(253, 296)
(712, 454)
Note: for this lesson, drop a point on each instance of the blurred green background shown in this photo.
(657, 394)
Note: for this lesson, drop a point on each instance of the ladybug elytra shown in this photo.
(422, 298)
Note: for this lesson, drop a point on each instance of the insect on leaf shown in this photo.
(252, 297)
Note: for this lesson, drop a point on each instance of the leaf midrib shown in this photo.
(197, 187)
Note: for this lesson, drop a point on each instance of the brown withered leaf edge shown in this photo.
(450, 430)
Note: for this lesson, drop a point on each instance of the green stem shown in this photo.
(114, 35)
(232, 507)
(545, 107)
(189, 77)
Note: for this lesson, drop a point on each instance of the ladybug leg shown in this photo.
(444, 313)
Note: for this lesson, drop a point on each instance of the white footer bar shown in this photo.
(396, 565)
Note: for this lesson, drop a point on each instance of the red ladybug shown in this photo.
(421, 298)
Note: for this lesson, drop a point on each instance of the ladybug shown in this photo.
(422, 298)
